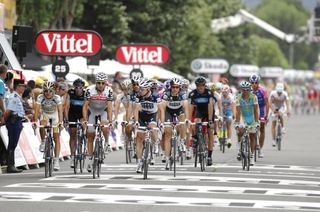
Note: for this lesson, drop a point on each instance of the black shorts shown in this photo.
(74, 119)
(169, 113)
(145, 118)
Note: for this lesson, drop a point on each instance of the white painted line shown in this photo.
(154, 200)
(151, 177)
(174, 188)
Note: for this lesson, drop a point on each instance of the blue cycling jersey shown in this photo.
(247, 107)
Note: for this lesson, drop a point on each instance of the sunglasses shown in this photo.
(254, 83)
(246, 89)
(175, 87)
(48, 91)
(100, 82)
(78, 87)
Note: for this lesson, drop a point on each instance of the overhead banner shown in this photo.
(240, 70)
(209, 66)
(271, 72)
(68, 43)
(155, 54)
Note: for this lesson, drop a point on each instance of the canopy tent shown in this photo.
(78, 65)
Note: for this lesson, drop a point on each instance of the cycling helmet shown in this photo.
(167, 84)
(48, 85)
(279, 87)
(226, 89)
(175, 81)
(200, 80)
(101, 76)
(185, 82)
(78, 82)
(245, 85)
(145, 83)
(126, 84)
(135, 79)
(254, 78)
(218, 86)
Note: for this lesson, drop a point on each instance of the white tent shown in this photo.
(78, 65)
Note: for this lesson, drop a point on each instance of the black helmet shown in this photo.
(78, 82)
(200, 80)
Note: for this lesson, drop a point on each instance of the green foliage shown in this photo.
(268, 53)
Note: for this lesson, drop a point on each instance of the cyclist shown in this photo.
(263, 102)
(279, 104)
(98, 102)
(201, 103)
(247, 114)
(49, 106)
(73, 112)
(228, 110)
(146, 108)
(175, 104)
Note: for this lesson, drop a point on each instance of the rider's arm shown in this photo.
(109, 111)
(37, 107)
(117, 108)
(210, 109)
(238, 111)
(67, 107)
(256, 109)
(129, 111)
(85, 109)
(267, 106)
(136, 112)
(161, 110)
(288, 105)
(186, 108)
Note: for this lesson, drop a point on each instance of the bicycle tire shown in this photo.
(145, 160)
(75, 163)
(195, 157)
(223, 144)
(248, 153)
(174, 156)
(255, 148)
(279, 137)
(126, 150)
(50, 167)
(181, 156)
(95, 159)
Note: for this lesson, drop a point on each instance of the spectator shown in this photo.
(28, 103)
(8, 86)
(3, 73)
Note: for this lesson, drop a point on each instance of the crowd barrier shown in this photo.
(27, 152)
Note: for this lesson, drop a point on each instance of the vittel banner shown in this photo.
(68, 43)
(142, 54)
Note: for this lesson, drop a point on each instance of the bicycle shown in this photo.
(80, 149)
(200, 148)
(48, 148)
(98, 151)
(176, 145)
(278, 131)
(128, 145)
(223, 133)
(147, 154)
(245, 148)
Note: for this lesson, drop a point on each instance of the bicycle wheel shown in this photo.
(223, 139)
(95, 159)
(279, 137)
(146, 160)
(248, 153)
(195, 156)
(255, 148)
(174, 143)
(181, 154)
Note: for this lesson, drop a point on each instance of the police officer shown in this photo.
(13, 117)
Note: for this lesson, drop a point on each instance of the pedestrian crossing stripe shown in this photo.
(156, 200)
(174, 188)
(192, 178)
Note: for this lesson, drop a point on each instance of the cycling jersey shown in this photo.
(76, 103)
(49, 106)
(261, 94)
(201, 101)
(173, 105)
(98, 101)
(133, 95)
(148, 108)
(278, 101)
(227, 104)
(247, 107)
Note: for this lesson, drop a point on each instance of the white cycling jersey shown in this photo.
(49, 106)
(278, 101)
(98, 101)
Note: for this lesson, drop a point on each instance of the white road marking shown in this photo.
(156, 200)
(174, 188)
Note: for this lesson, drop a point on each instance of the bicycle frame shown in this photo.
(49, 149)
(201, 149)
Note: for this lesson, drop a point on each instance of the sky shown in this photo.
(309, 4)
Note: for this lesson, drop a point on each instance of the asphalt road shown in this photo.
(287, 180)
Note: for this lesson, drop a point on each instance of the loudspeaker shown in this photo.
(94, 60)
(21, 48)
(22, 34)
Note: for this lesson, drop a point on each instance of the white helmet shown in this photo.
(101, 76)
(126, 84)
(145, 83)
(279, 87)
(245, 85)
(219, 86)
(175, 81)
(135, 79)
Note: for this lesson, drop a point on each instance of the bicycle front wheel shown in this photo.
(146, 160)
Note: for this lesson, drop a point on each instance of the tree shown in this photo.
(47, 14)
(268, 53)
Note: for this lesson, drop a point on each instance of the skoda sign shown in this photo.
(271, 72)
(239, 70)
(209, 66)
